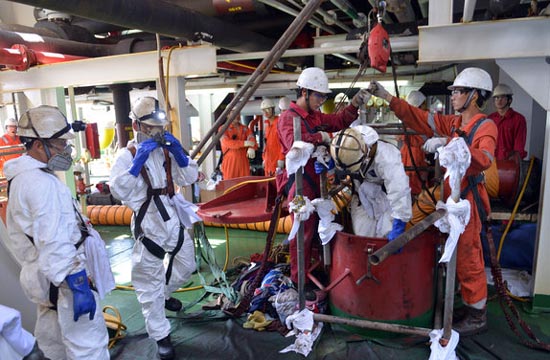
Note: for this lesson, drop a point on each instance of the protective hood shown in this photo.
(20, 165)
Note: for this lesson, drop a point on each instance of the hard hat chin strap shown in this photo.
(468, 101)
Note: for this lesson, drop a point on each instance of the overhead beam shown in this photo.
(484, 40)
(109, 70)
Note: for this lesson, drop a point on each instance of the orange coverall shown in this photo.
(415, 142)
(470, 267)
(272, 151)
(235, 161)
(7, 140)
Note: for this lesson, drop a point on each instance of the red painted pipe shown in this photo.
(21, 58)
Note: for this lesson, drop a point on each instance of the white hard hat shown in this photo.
(146, 110)
(348, 149)
(266, 104)
(474, 78)
(11, 122)
(45, 122)
(502, 89)
(341, 97)
(284, 103)
(315, 79)
(78, 167)
(416, 98)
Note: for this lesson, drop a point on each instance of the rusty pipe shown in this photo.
(254, 81)
(391, 247)
(367, 324)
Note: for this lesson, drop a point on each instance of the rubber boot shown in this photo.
(473, 322)
(166, 349)
(173, 304)
(35, 354)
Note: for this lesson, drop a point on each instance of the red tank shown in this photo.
(399, 290)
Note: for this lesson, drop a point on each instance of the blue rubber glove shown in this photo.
(83, 298)
(398, 228)
(174, 146)
(319, 167)
(142, 153)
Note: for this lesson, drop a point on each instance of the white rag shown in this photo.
(302, 209)
(439, 352)
(187, 211)
(321, 154)
(456, 158)
(297, 156)
(458, 216)
(304, 341)
(97, 263)
(327, 227)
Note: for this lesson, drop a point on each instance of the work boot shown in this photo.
(35, 354)
(473, 322)
(459, 314)
(166, 349)
(173, 304)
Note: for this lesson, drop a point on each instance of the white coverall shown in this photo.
(372, 209)
(15, 342)
(148, 271)
(41, 206)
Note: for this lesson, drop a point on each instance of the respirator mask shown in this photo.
(61, 161)
(150, 132)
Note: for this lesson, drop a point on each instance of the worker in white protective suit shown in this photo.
(46, 236)
(16, 343)
(381, 203)
(143, 177)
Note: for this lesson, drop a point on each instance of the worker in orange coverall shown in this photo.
(238, 144)
(416, 153)
(273, 157)
(312, 92)
(471, 88)
(10, 138)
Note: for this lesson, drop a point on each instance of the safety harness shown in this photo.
(154, 195)
(508, 308)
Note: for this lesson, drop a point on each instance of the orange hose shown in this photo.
(122, 215)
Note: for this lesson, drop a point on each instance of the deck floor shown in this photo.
(210, 334)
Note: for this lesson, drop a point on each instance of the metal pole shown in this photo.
(324, 195)
(254, 81)
(298, 180)
(391, 247)
(449, 299)
(397, 328)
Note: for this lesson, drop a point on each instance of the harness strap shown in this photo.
(154, 194)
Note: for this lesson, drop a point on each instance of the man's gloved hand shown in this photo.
(319, 167)
(251, 153)
(398, 228)
(431, 145)
(281, 164)
(326, 137)
(174, 146)
(83, 298)
(248, 143)
(378, 90)
(142, 153)
(362, 97)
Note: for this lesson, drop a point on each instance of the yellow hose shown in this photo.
(511, 220)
